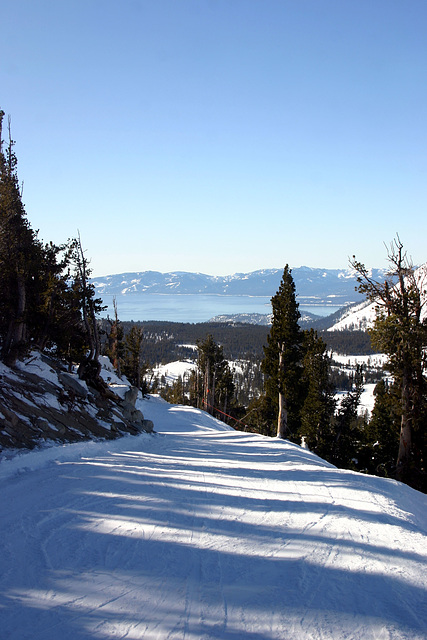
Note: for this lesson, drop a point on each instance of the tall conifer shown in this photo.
(400, 331)
(215, 387)
(20, 254)
(282, 363)
(319, 404)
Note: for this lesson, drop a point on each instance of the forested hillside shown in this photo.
(166, 341)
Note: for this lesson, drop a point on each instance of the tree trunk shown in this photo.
(206, 384)
(282, 420)
(16, 336)
(405, 442)
(90, 369)
(212, 393)
(209, 389)
(115, 348)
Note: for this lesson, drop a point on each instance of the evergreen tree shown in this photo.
(175, 393)
(116, 348)
(133, 366)
(41, 305)
(261, 415)
(319, 404)
(346, 429)
(55, 319)
(225, 389)
(401, 333)
(90, 366)
(378, 455)
(214, 383)
(20, 257)
(282, 363)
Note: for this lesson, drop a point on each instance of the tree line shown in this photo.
(165, 341)
(297, 382)
(298, 393)
(297, 400)
(47, 299)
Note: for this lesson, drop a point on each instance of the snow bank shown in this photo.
(52, 453)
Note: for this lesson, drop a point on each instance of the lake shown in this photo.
(192, 307)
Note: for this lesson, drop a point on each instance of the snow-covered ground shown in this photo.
(367, 399)
(202, 532)
(376, 360)
(173, 370)
(183, 368)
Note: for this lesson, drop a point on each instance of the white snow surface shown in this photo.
(203, 532)
(377, 360)
(358, 318)
(173, 370)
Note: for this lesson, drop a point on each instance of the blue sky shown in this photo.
(220, 136)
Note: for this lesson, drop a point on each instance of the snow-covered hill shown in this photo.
(204, 532)
(362, 316)
(357, 318)
(314, 286)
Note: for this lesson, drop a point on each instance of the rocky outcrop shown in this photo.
(72, 384)
(133, 415)
(61, 408)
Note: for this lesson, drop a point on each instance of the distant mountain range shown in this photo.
(325, 287)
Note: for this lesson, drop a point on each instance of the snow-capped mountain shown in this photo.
(313, 285)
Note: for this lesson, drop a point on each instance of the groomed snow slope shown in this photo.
(201, 532)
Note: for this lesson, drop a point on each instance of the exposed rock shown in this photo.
(72, 384)
(131, 395)
(131, 414)
(34, 409)
(147, 425)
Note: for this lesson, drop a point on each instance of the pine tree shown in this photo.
(20, 257)
(175, 393)
(41, 305)
(346, 429)
(400, 332)
(90, 366)
(319, 404)
(225, 389)
(381, 440)
(116, 348)
(282, 363)
(55, 319)
(133, 366)
(214, 383)
(261, 415)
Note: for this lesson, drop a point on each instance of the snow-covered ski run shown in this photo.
(203, 532)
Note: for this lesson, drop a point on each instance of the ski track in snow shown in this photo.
(202, 532)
